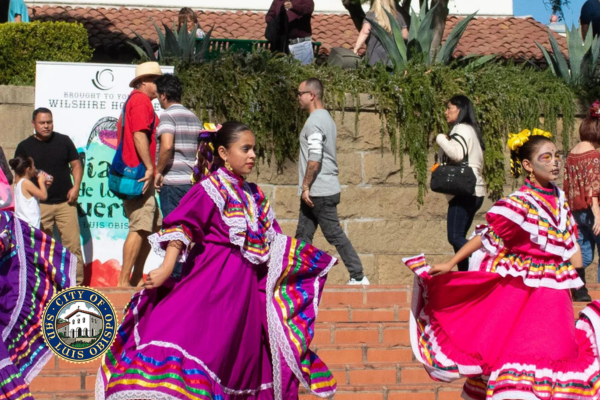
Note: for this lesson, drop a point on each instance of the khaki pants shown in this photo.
(64, 216)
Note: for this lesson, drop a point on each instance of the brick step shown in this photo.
(361, 354)
(390, 333)
(432, 391)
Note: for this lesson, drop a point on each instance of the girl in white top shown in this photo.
(27, 194)
(465, 130)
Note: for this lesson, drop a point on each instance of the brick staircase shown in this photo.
(362, 334)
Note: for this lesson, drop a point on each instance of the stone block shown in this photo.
(392, 270)
(383, 168)
(287, 202)
(350, 168)
(269, 174)
(23, 95)
(365, 137)
(399, 236)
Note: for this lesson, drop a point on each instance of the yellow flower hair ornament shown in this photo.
(517, 140)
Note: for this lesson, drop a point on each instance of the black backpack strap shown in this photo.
(463, 143)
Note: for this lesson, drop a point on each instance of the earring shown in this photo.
(228, 166)
(532, 179)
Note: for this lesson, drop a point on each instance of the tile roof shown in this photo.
(110, 28)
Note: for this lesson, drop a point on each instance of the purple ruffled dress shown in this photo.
(239, 323)
(33, 268)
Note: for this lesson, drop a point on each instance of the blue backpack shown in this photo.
(123, 179)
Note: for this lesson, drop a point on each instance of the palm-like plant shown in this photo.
(172, 44)
(420, 36)
(582, 55)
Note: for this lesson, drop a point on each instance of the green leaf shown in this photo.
(576, 53)
(549, 59)
(425, 34)
(444, 56)
(171, 44)
(397, 32)
(562, 67)
(147, 47)
(387, 40)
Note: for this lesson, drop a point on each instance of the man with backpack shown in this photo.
(138, 136)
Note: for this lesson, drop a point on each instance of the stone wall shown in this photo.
(378, 211)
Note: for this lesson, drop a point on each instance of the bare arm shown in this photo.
(166, 151)
(596, 212)
(77, 172)
(362, 36)
(40, 193)
(405, 33)
(18, 18)
(142, 146)
(158, 276)
(584, 30)
(469, 248)
(312, 170)
(576, 259)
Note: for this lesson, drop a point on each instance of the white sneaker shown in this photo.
(364, 281)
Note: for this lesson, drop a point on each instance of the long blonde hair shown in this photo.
(380, 16)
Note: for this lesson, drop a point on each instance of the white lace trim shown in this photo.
(277, 337)
(238, 226)
(37, 367)
(22, 279)
(156, 239)
(169, 345)
(534, 229)
(99, 388)
(214, 376)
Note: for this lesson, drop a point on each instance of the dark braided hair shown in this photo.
(525, 152)
(207, 157)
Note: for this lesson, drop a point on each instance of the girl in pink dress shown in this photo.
(507, 323)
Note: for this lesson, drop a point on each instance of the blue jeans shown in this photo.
(587, 240)
(170, 197)
(461, 211)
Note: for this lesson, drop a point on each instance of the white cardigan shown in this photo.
(454, 151)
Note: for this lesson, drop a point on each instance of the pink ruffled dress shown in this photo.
(507, 324)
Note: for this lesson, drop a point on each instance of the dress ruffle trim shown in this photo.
(250, 219)
(161, 239)
(495, 258)
(518, 379)
(555, 234)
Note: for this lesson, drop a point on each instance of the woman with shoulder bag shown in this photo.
(463, 141)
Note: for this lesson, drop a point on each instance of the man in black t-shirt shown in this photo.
(56, 155)
(590, 15)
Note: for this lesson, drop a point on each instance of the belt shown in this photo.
(300, 40)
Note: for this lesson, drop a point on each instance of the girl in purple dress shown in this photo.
(239, 323)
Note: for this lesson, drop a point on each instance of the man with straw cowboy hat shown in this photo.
(138, 133)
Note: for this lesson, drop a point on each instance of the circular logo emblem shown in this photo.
(79, 324)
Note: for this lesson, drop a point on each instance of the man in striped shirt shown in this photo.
(177, 137)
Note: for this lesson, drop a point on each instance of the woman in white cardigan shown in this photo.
(465, 133)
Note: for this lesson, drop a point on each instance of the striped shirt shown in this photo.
(181, 122)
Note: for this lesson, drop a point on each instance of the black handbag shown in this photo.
(453, 178)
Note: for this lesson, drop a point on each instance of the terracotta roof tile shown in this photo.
(109, 28)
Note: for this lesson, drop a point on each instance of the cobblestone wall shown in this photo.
(378, 210)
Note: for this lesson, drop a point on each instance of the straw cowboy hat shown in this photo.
(150, 68)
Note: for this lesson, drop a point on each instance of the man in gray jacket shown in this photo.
(319, 185)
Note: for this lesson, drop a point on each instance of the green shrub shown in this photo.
(21, 45)
(259, 90)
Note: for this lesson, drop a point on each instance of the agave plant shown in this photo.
(172, 44)
(582, 56)
(420, 37)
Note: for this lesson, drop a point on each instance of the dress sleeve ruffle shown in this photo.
(555, 235)
(160, 240)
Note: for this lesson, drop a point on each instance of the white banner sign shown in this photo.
(86, 101)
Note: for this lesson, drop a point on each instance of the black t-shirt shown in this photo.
(53, 157)
(590, 15)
